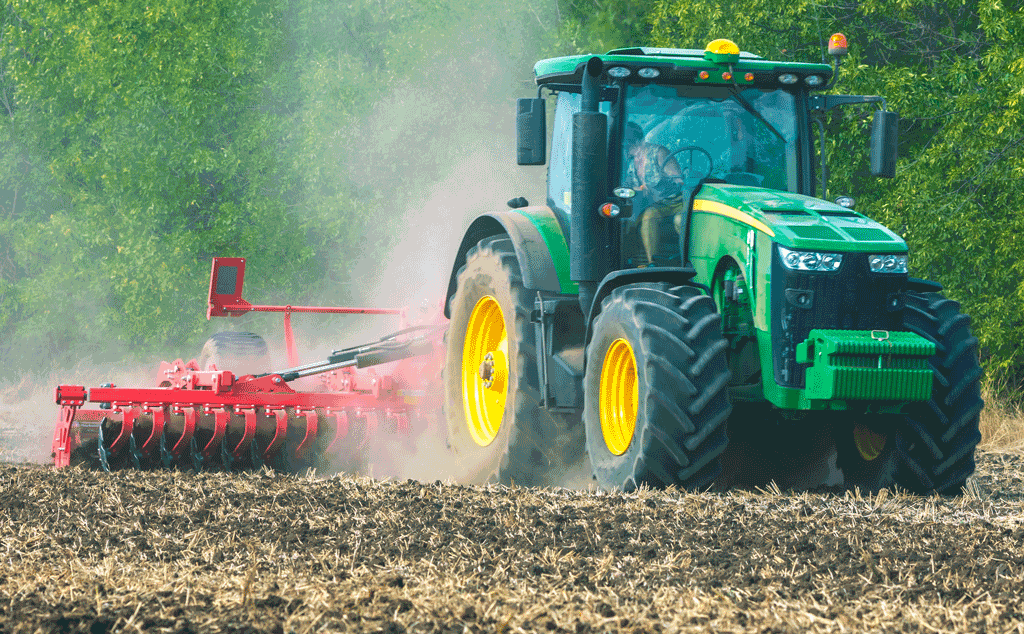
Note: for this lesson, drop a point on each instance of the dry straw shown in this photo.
(177, 552)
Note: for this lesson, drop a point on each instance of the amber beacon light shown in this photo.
(722, 52)
(837, 45)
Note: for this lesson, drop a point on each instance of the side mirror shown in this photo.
(531, 131)
(883, 143)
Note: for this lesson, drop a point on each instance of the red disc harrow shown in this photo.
(209, 418)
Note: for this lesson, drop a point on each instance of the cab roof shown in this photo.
(679, 65)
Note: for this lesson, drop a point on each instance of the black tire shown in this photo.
(931, 447)
(532, 446)
(240, 352)
(682, 388)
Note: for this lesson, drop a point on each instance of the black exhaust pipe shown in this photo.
(589, 233)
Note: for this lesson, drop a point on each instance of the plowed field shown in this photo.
(178, 552)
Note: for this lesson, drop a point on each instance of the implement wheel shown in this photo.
(656, 389)
(491, 387)
(240, 352)
(931, 447)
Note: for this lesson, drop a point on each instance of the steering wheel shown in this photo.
(691, 149)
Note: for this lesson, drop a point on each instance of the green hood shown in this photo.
(799, 222)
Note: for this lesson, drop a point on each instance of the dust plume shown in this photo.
(441, 153)
(438, 148)
(456, 142)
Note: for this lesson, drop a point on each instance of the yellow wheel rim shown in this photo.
(869, 442)
(619, 397)
(485, 371)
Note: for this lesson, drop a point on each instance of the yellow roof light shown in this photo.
(722, 52)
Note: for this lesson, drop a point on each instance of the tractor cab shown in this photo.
(746, 137)
(676, 119)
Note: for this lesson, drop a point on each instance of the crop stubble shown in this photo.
(178, 552)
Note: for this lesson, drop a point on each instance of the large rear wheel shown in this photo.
(496, 427)
(931, 447)
(656, 389)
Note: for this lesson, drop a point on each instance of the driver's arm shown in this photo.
(669, 164)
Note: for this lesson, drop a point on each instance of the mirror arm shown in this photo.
(824, 103)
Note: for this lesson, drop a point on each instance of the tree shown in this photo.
(136, 141)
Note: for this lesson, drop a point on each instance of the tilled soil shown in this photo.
(179, 552)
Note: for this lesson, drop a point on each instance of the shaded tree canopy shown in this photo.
(138, 140)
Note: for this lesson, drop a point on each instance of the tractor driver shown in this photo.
(656, 177)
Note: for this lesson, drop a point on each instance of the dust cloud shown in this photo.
(471, 155)
(440, 150)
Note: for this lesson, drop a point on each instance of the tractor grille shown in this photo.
(852, 298)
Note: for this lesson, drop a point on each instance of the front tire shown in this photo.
(496, 427)
(931, 447)
(656, 389)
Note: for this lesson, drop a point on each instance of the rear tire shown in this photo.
(931, 447)
(656, 389)
(240, 352)
(510, 438)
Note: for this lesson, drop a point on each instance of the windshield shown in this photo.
(676, 135)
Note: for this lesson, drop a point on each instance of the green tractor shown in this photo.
(685, 311)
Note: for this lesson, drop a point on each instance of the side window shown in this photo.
(560, 167)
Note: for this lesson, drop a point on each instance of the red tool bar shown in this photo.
(242, 308)
(227, 278)
(157, 396)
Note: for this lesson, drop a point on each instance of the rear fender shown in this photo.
(539, 244)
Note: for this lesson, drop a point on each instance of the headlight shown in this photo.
(810, 260)
(888, 263)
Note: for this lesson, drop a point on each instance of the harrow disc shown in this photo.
(191, 439)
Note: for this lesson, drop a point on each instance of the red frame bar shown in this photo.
(225, 298)
(124, 397)
(227, 277)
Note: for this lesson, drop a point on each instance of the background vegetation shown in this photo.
(138, 140)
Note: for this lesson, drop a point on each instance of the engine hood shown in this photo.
(797, 221)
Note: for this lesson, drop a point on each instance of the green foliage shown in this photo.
(596, 26)
(138, 139)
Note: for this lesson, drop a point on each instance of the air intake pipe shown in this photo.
(589, 233)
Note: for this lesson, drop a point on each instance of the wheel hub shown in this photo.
(619, 396)
(493, 369)
(869, 442)
(485, 371)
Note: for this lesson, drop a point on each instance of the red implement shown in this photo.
(198, 417)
